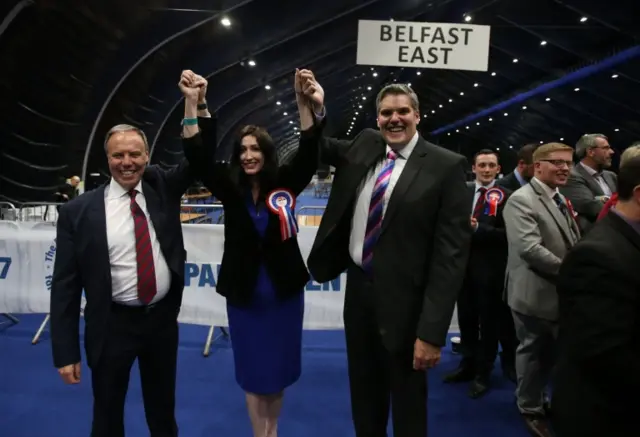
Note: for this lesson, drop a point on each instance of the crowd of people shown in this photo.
(540, 262)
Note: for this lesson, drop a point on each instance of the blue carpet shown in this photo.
(35, 403)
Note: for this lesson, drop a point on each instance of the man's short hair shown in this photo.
(526, 153)
(586, 142)
(125, 128)
(485, 152)
(628, 178)
(630, 152)
(545, 150)
(398, 89)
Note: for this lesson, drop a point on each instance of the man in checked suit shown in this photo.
(397, 221)
(122, 244)
(541, 228)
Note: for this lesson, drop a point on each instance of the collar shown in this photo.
(519, 177)
(479, 185)
(406, 151)
(114, 190)
(589, 170)
(546, 188)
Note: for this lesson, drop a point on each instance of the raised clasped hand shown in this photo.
(307, 86)
(192, 86)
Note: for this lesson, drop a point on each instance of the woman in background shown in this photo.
(262, 274)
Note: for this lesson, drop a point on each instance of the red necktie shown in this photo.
(144, 253)
(477, 211)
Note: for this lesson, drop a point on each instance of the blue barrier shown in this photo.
(590, 70)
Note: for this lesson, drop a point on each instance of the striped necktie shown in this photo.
(477, 210)
(376, 208)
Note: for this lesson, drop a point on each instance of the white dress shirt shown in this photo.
(476, 193)
(121, 241)
(551, 192)
(363, 199)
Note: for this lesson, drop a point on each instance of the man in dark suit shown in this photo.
(122, 244)
(597, 379)
(524, 170)
(397, 221)
(480, 304)
(590, 184)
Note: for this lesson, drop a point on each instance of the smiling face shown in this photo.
(397, 119)
(251, 156)
(127, 156)
(555, 168)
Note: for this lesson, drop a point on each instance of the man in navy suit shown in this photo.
(122, 244)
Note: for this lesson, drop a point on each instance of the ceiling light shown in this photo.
(506, 113)
(285, 113)
(467, 18)
(225, 22)
(278, 102)
(409, 84)
(375, 74)
(498, 149)
(364, 98)
(356, 112)
(493, 74)
(424, 116)
(541, 142)
(368, 88)
(614, 76)
(561, 139)
(543, 43)
(450, 100)
(524, 107)
(583, 19)
(360, 106)
(511, 147)
(448, 133)
(490, 119)
(547, 99)
(440, 106)
(466, 127)
(457, 130)
(418, 73)
(576, 89)
(617, 130)
(475, 85)
(515, 61)
(461, 93)
(267, 87)
(290, 122)
(252, 63)
(433, 112)
(478, 123)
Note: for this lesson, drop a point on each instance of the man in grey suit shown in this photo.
(541, 228)
(590, 184)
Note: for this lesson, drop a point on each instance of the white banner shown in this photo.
(448, 46)
(27, 254)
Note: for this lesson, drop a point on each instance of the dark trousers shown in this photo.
(149, 334)
(484, 320)
(377, 377)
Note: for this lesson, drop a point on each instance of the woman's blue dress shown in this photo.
(267, 335)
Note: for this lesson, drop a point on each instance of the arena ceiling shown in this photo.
(72, 68)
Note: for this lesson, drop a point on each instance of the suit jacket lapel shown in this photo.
(98, 224)
(610, 181)
(555, 212)
(591, 181)
(410, 171)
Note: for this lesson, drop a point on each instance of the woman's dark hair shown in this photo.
(267, 175)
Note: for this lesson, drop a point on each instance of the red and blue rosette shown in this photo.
(282, 202)
(493, 198)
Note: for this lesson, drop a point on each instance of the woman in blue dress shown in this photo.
(262, 274)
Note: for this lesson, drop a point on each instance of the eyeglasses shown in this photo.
(558, 162)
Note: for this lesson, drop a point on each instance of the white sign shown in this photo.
(26, 266)
(447, 46)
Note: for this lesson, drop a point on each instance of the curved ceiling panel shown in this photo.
(69, 72)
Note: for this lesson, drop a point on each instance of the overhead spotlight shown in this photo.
(617, 130)
(515, 61)
(285, 113)
(409, 84)
(493, 74)
(498, 149)
(614, 76)
(458, 130)
(543, 43)
(541, 142)
(433, 112)
(267, 87)
(225, 22)
(449, 133)
(561, 139)
(375, 74)
(490, 119)
(477, 123)
(251, 63)
(356, 112)
(424, 116)
(466, 127)
(360, 106)
(576, 89)
(278, 102)
(511, 147)
(461, 93)
(439, 106)
(475, 85)
(506, 113)
(583, 19)
(467, 18)
(418, 73)
(450, 100)
(547, 99)
(364, 97)
(290, 122)
(524, 107)
(368, 88)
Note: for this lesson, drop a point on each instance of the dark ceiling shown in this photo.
(72, 69)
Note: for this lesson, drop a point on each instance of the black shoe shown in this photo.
(479, 386)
